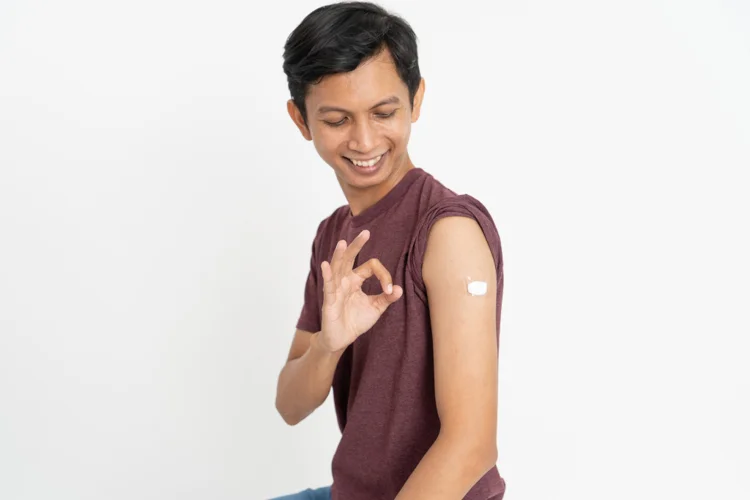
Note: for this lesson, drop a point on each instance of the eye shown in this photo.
(386, 115)
(335, 124)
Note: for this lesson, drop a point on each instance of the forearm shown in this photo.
(304, 382)
(448, 470)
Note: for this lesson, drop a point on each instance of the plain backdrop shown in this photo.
(157, 207)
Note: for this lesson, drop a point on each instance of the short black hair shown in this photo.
(336, 38)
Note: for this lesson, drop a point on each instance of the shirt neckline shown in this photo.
(387, 201)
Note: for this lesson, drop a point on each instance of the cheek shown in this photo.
(399, 131)
(329, 142)
(326, 143)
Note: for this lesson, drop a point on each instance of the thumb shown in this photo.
(383, 300)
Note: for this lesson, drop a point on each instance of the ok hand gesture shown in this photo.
(347, 311)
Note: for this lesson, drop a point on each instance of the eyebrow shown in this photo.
(388, 100)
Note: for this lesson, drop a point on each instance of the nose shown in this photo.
(362, 137)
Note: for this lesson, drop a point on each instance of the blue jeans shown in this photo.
(309, 494)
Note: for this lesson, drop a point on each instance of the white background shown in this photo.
(157, 207)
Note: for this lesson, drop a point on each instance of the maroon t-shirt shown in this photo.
(384, 386)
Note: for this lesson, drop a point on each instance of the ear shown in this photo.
(418, 96)
(296, 116)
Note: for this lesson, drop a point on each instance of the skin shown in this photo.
(365, 131)
(463, 326)
(465, 358)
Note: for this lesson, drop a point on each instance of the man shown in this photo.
(412, 354)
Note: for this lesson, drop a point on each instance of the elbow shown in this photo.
(287, 418)
(482, 454)
(282, 403)
(479, 451)
(484, 457)
(290, 421)
(286, 415)
(490, 456)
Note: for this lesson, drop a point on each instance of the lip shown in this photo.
(369, 170)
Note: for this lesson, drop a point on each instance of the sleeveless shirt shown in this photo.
(383, 386)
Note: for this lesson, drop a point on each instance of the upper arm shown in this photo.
(463, 328)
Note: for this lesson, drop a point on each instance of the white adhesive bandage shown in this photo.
(476, 287)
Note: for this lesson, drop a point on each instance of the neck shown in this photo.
(362, 199)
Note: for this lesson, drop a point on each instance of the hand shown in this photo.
(347, 311)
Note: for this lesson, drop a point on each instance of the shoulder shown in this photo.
(461, 225)
(432, 191)
(454, 227)
(457, 249)
(437, 197)
(461, 211)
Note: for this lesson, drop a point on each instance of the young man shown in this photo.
(411, 354)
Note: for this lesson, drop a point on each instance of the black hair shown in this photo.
(336, 38)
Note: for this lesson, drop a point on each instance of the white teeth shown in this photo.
(368, 163)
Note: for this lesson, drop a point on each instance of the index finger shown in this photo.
(353, 249)
(375, 267)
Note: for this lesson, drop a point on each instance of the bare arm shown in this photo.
(305, 380)
(465, 355)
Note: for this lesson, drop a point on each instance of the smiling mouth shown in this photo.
(367, 165)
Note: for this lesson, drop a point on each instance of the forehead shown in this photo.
(361, 88)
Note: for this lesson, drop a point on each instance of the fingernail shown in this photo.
(390, 289)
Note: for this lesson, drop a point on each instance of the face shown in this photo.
(361, 116)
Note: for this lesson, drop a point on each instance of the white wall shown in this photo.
(157, 207)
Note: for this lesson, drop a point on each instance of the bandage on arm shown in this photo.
(476, 287)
